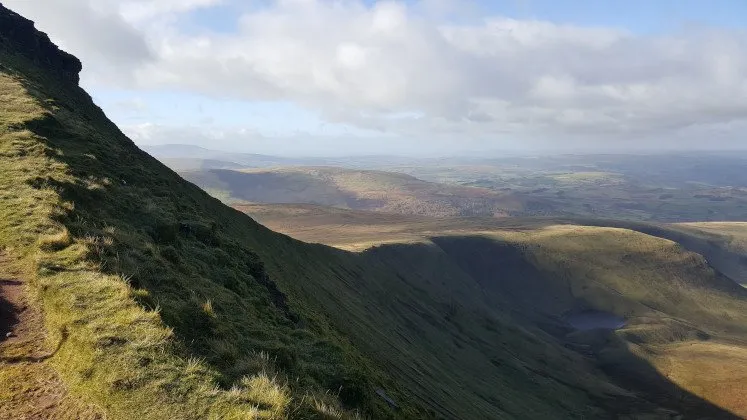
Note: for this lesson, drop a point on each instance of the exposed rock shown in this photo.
(19, 35)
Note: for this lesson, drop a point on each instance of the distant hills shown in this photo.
(355, 189)
(187, 157)
(685, 187)
(154, 300)
(202, 158)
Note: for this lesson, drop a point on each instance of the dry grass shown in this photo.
(734, 234)
(714, 371)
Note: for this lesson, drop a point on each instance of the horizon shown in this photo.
(487, 155)
(413, 78)
(525, 219)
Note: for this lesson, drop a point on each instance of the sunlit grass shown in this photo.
(85, 257)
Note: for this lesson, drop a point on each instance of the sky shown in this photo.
(418, 77)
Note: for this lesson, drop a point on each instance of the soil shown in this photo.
(34, 391)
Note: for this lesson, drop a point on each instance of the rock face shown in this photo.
(19, 35)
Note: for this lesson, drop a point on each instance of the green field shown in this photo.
(498, 189)
(657, 188)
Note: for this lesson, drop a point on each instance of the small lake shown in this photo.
(593, 320)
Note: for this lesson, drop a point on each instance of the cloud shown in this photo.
(95, 32)
(150, 133)
(406, 69)
(144, 10)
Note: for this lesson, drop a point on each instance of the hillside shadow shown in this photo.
(512, 281)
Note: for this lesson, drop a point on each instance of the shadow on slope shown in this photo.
(8, 312)
(512, 277)
(248, 301)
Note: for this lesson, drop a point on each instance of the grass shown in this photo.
(732, 234)
(686, 365)
(145, 252)
(165, 303)
(110, 268)
(672, 300)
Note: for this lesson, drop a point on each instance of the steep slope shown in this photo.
(683, 336)
(164, 303)
(156, 309)
(353, 189)
(167, 311)
(722, 243)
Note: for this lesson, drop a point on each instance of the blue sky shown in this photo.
(641, 16)
(429, 76)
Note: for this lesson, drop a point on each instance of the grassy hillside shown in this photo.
(164, 303)
(353, 189)
(684, 333)
(721, 243)
(161, 302)
(157, 308)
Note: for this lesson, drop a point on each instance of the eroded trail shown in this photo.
(29, 387)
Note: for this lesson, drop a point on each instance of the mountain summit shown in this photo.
(19, 36)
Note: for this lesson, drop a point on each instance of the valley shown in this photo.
(388, 192)
(666, 188)
(408, 291)
(666, 327)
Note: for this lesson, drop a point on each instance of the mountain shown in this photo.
(171, 152)
(130, 292)
(184, 156)
(383, 191)
(678, 308)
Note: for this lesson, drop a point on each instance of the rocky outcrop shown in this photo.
(19, 35)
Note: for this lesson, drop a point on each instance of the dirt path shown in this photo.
(29, 387)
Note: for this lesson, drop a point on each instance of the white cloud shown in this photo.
(143, 10)
(489, 78)
(107, 44)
